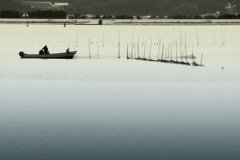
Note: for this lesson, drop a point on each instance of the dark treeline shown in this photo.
(59, 14)
(229, 16)
(221, 16)
(11, 5)
(147, 7)
(132, 7)
(56, 14)
(10, 14)
(47, 14)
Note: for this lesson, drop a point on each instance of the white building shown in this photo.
(38, 5)
(45, 5)
(230, 8)
(59, 5)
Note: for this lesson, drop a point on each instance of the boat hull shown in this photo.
(63, 55)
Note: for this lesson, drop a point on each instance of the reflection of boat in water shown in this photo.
(63, 55)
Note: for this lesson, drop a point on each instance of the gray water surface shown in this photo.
(65, 120)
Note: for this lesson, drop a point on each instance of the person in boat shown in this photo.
(45, 50)
(41, 52)
(68, 50)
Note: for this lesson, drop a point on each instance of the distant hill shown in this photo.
(134, 7)
(9, 4)
(153, 7)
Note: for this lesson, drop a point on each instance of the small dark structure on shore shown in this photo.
(100, 21)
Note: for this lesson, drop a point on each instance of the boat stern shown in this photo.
(21, 54)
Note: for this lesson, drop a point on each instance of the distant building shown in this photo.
(44, 5)
(38, 5)
(210, 15)
(90, 16)
(146, 17)
(59, 5)
(230, 8)
(25, 15)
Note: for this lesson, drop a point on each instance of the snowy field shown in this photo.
(110, 108)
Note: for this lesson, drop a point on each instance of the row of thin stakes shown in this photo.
(166, 54)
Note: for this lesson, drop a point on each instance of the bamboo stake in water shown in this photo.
(176, 50)
(162, 52)
(180, 46)
(144, 49)
(201, 60)
(119, 56)
(135, 50)
(214, 41)
(132, 45)
(192, 53)
(138, 49)
(119, 50)
(225, 38)
(168, 51)
(98, 51)
(132, 48)
(222, 39)
(185, 47)
(171, 52)
(77, 39)
(159, 46)
(89, 49)
(127, 52)
(103, 39)
(197, 38)
(150, 49)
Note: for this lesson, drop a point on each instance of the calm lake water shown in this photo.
(116, 109)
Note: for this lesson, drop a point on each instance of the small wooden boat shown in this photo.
(63, 55)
